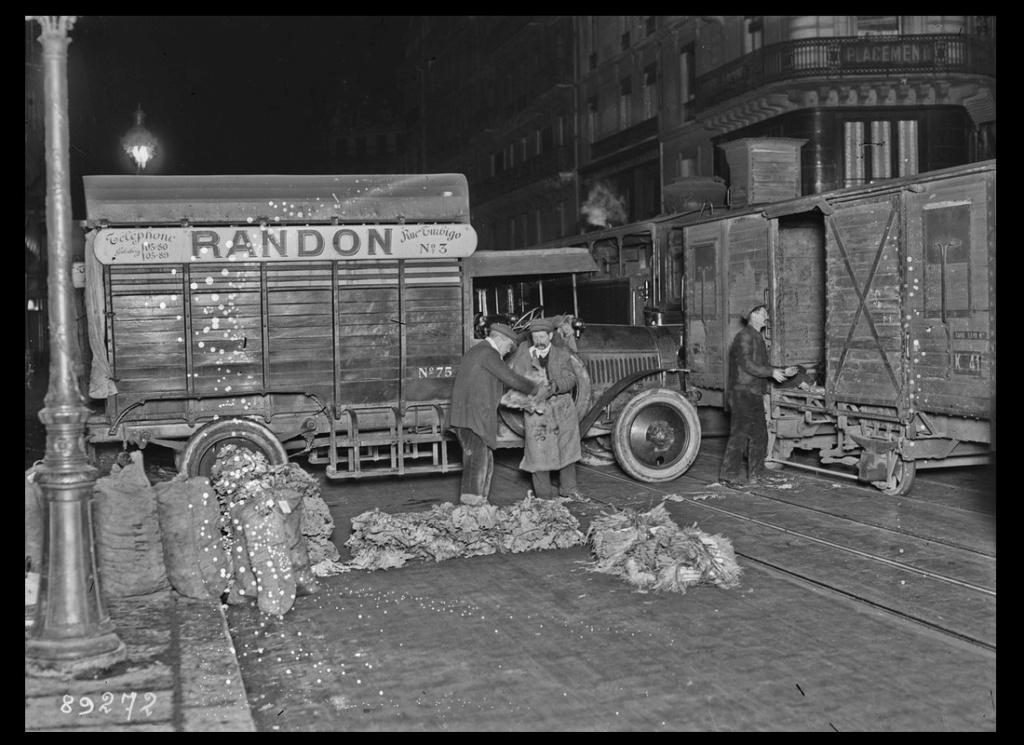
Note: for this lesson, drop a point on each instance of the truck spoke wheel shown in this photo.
(202, 449)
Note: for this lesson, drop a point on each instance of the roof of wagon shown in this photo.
(276, 199)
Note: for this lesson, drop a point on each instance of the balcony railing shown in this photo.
(549, 163)
(621, 140)
(839, 57)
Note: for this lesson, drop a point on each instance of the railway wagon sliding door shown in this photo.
(726, 275)
(865, 360)
(950, 251)
(798, 312)
(704, 310)
(747, 277)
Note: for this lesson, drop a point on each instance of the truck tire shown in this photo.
(200, 452)
(656, 436)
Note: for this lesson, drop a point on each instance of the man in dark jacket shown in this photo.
(479, 384)
(749, 373)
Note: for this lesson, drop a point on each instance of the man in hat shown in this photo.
(479, 383)
(749, 373)
(552, 437)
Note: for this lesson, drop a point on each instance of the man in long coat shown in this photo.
(749, 373)
(552, 436)
(479, 383)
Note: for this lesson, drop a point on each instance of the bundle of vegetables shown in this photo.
(651, 552)
(381, 540)
(512, 399)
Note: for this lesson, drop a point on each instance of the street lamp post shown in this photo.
(72, 631)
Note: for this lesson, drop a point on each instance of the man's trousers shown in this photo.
(748, 436)
(477, 466)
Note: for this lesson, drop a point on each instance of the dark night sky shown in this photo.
(224, 94)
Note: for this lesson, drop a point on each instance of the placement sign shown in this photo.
(311, 243)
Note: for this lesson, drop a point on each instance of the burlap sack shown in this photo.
(129, 551)
(35, 522)
(289, 504)
(198, 563)
(267, 545)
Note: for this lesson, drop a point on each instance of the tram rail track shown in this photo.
(960, 588)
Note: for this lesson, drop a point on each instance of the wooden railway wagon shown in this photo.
(886, 293)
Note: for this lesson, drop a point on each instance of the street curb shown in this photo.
(181, 674)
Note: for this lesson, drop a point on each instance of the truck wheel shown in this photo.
(105, 455)
(902, 480)
(201, 450)
(656, 435)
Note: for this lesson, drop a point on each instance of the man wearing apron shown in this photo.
(552, 437)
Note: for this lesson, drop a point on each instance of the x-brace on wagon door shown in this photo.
(866, 350)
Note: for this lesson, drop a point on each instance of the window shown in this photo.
(650, 92)
(546, 139)
(497, 162)
(382, 144)
(625, 103)
(593, 119)
(687, 165)
(522, 148)
(651, 24)
(687, 81)
(873, 151)
(908, 150)
(360, 147)
(592, 42)
(877, 25)
(753, 33)
(947, 265)
(560, 141)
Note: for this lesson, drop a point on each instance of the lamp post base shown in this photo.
(71, 657)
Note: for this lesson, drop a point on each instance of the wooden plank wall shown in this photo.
(227, 328)
(300, 328)
(434, 321)
(148, 329)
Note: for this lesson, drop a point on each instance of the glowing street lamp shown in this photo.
(139, 142)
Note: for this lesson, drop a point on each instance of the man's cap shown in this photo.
(542, 324)
(505, 331)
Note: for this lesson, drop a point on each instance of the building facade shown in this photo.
(568, 123)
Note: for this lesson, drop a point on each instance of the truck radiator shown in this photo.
(606, 369)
